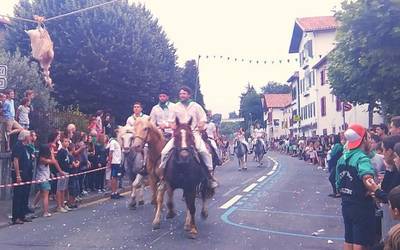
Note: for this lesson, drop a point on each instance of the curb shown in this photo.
(85, 200)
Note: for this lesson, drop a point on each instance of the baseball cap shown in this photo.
(354, 135)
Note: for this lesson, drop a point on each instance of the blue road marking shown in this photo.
(225, 216)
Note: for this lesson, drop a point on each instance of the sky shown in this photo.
(251, 30)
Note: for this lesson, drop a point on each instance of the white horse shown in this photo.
(133, 164)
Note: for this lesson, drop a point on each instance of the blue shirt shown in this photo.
(9, 110)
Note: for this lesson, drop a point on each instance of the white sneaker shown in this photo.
(62, 210)
(67, 208)
(47, 215)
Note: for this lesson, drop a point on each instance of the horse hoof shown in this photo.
(192, 234)
(204, 215)
(141, 203)
(156, 226)
(132, 205)
(171, 215)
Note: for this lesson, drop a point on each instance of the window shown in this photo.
(322, 77)
(325, 131)
(276, 122)
(313, 108)
(294, 93)
(308, 49)
(323, 106)
(338, 104)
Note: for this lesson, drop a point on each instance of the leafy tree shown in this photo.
(250, 106)
(365, 66)
(229, 128)
(105, 58)
(276, 88)
(217, 118)
(233, 115)
(189, 77)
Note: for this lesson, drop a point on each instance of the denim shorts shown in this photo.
(115, 170)
(44, 185)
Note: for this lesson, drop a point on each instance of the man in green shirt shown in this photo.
(354, 173)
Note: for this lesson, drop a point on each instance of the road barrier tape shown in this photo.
(50, 179)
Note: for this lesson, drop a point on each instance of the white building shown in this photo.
(277, 114)
(319, 111)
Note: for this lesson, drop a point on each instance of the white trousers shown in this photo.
(200, 147)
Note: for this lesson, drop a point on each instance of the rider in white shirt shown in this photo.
(211, 130)
(160, 114)
(137, 112)
(259, 133)
(185, 110)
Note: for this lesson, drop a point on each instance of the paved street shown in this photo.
(280, 206)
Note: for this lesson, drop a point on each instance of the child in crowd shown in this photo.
(43, 173)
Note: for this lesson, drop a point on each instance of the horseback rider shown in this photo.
(212, 137)
(137, 112)
(160, 114)
(185, 110)
(259, 134)
(240, 136)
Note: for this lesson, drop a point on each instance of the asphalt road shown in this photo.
(277, 206)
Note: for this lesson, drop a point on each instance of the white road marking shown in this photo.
(270, 173)
(275, 167)
(262, 178)
(249, 188)
(232, 201)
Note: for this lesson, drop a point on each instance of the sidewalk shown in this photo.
(5, 205)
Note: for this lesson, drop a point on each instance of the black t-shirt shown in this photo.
(101, 155)
(25, 156)
(64, 160)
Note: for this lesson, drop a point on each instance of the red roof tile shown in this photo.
(317, 23)
(277, 100)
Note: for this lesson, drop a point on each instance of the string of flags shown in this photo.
(251, 61)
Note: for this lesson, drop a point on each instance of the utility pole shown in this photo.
(197, 84)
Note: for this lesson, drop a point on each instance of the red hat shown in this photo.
(354, 135)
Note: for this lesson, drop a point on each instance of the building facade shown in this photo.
(315, 110)
(277, 114)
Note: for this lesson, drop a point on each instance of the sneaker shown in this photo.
(99, 191)
(84, 192)
(73, 207)
(47, 215)
(103, 190)
(67, 208)
(62, 210)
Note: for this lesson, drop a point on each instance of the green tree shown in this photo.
(190, 78)
(365, 66)
(229, 128)
(250, 106)
(105, 58)
(276, 88)
(233, 115)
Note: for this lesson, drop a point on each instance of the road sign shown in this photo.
(3, 70)
(347, 106)
(3, 83)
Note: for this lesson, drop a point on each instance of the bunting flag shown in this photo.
(252, 60)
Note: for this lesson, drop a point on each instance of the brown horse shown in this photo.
(147, 132)
(185, 170)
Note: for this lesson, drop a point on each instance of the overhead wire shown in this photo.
(61, 15)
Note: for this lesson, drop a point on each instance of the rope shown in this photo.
(62, 15)
(81, 10)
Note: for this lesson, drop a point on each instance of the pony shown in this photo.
(259, 152)
(185, 170)
(132, 163)
(240, 152)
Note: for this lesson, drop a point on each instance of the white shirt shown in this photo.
(23, 114)
(160, 116)
(131, 119)
(258, 133)
(184, 113)
(115, 148)
(211, 129)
